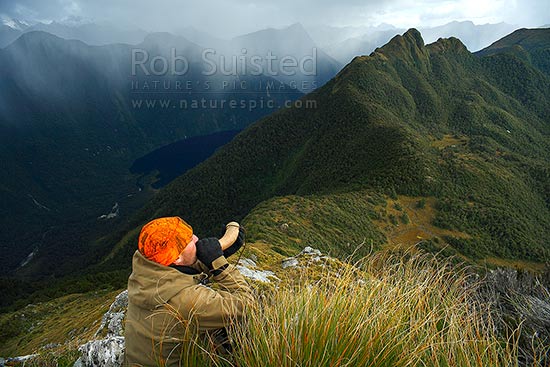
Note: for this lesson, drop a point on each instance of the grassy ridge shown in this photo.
(69, 320)
(398, 312)
(331, 223)
(394, 308)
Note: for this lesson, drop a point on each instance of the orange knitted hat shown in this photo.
(162, 240)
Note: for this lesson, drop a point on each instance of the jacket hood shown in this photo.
(151, 284)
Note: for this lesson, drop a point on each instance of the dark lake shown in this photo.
(175, 159)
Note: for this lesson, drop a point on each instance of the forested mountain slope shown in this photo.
(431, 121)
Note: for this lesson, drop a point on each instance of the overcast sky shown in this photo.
(227, 18)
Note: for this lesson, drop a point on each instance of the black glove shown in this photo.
(208, 250)
(239, 242)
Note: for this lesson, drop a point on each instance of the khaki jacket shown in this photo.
(162, 300)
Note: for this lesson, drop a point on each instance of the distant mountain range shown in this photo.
(335, 46)
(292, 41)
(341, 43)
(87, 32)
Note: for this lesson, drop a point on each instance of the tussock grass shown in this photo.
(387, 310)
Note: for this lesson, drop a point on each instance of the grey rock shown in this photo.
(520, 298)
(291, 262)
(112, 320)
(310, 251)
(20, 359)
(259, 275)
(108, 352)
(245, 267)
(249, 263)
(51, 346)
(116, 326)
(313, 255)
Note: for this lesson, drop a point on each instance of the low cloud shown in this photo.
(229, 18)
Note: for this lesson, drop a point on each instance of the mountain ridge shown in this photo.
(413, 80)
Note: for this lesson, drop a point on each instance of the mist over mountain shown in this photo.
(350, 42)
(295, 42)
(92, 33)
(74, 117)
(65, 97)
(325, 35)
(314, 69)
(474, 36)
(341, 43)
(8, 35)
(346, 50)
(202, 38)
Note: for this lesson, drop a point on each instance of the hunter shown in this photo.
(168, 292)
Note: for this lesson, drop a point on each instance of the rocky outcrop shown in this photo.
(16, 360)
(108, 351)
(111, 323)
(519, 298)
(248, 269)
(307, 256)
